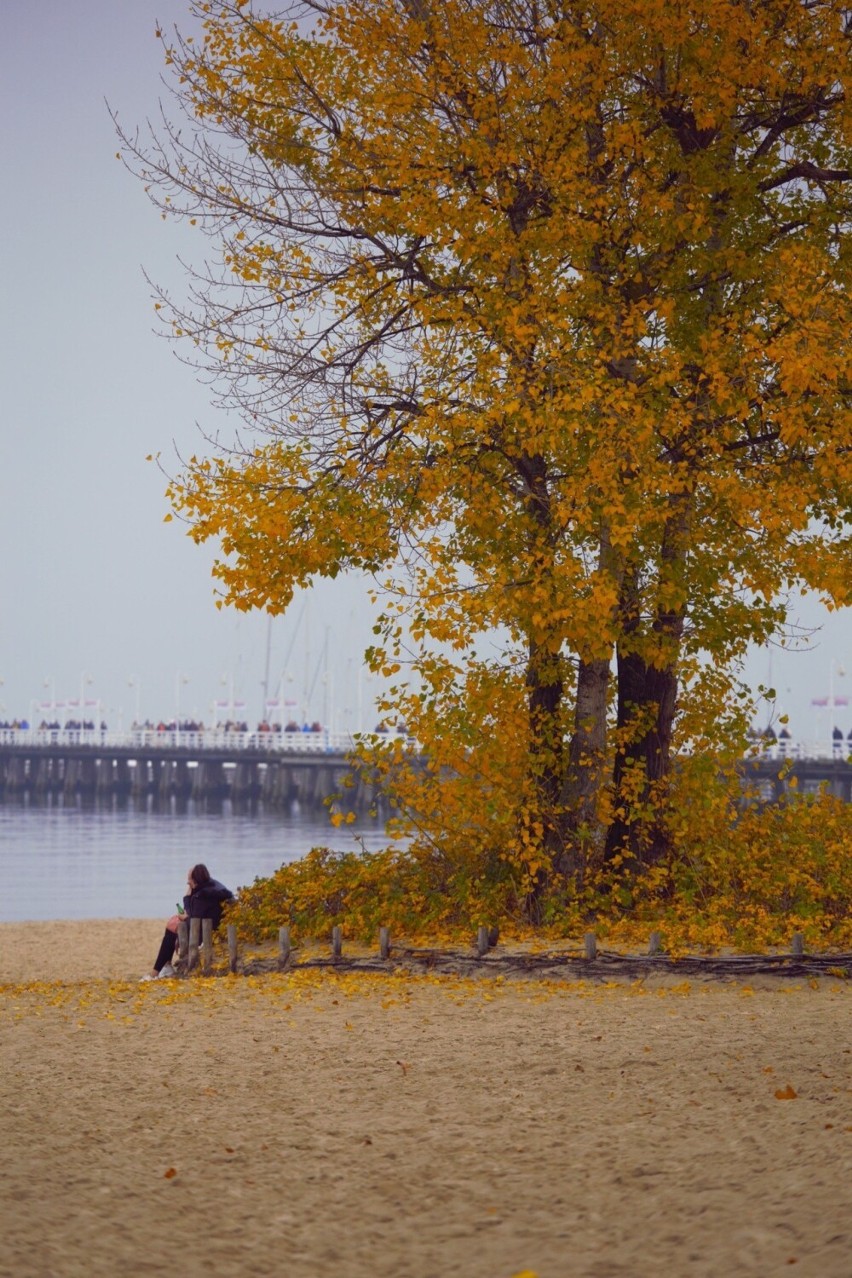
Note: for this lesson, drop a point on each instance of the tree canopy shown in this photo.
(538, 311)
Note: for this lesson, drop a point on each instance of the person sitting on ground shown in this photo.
(204, 900)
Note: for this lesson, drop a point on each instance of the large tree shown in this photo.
(538, 311)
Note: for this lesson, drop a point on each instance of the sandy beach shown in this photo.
(367, 1126)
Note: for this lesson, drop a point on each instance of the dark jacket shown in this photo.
(206, 902)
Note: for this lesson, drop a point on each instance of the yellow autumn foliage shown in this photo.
(539, 314)
(745, 879)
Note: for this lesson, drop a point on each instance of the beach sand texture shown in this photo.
(364, 1126)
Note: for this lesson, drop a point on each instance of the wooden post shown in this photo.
(798, 946)
(655, 944)
(283, 947)
(194, 934)
(590, 944)
(384, 942)
(232, 947)
(336, 943)
(183, 941)
(482, 946)
(206, 945)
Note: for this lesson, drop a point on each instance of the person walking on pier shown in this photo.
(204, 900)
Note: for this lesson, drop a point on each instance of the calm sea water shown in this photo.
(97, 863)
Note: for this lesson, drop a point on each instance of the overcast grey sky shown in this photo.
(95, 590)
(93, 585)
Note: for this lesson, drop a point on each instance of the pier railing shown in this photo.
(323, 741)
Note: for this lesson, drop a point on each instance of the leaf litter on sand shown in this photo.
(322, 988)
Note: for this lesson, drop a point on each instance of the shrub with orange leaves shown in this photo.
(748, 879)
(415, 891)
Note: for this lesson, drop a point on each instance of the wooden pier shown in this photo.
(159, 774)
(777, 778)
(275, 770)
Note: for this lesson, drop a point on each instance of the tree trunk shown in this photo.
(545, 688)
(545, 684)
(585, 772)
(647, 703)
